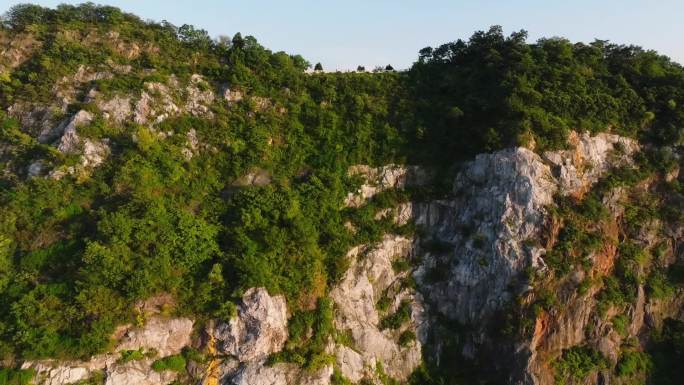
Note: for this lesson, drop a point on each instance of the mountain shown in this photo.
(178, 209)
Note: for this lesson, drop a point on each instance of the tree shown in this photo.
(238, 41)
(22, 15)
(198, 38)
(318, 67)
(360, 69)
(389, 68)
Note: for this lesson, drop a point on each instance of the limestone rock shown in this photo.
(258, 373)
(137, 373)
(588, 159)
(381, 179)
(16, 49)
(192, 146)
(501, 200)
(117, 109)
(352, 364)
(231, 95)
(369, 278)
(68, 128)
(199, 96)
(35, 169)
(259, 329)
(255, 177)
(68, 141)
(166, 336)
(155, 105)
(51, 372)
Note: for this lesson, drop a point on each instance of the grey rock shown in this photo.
(259, 329)
(198, 97)
(589, 158)
(369, 277)
(258, 373)
(165, 335)
(383, 178)
(137, 373)
(231, 95)
(501, 200)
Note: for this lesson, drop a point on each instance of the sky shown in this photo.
(344, 34)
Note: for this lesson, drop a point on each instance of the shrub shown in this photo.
(131, 355)
(620, 324)
(406, 338)
(658, 285)
(338, 379)
(394, 321)
(174, 363)
(633, 363)
(16, 376)
(383, 303)
(577, 363)
(400, 265)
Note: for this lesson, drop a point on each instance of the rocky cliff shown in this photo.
(235, 220)
(481, 254)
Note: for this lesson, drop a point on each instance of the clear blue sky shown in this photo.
(344, 34)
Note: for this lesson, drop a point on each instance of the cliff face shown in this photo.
(532, 268)
(493, 233)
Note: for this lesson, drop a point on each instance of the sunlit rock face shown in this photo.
(165, 336)
(259, 329)
(371, 277)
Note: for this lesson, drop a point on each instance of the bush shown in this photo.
(402, 315)
(658, 286)
(406, 338)
(174, 363)
(620, 324)
(131, 355)
(16, 376)
(633, 363)
(577, 363)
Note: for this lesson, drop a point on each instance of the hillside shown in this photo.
(179, 209)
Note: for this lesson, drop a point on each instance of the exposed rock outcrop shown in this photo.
(258, 373)
(588, 159)
(68, 141)
(117, 109)
(474, 256)
(137, 373)
(199, 96)
(155, 105)
(15, 50)
(231, 95)
(259, 329)
(500, 203)
(165, 336)
(383, 178)
(370, 278)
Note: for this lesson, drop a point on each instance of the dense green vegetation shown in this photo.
(577, 363)
(667, 352)
(15, 377)
(496, 91)
(76, 253)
